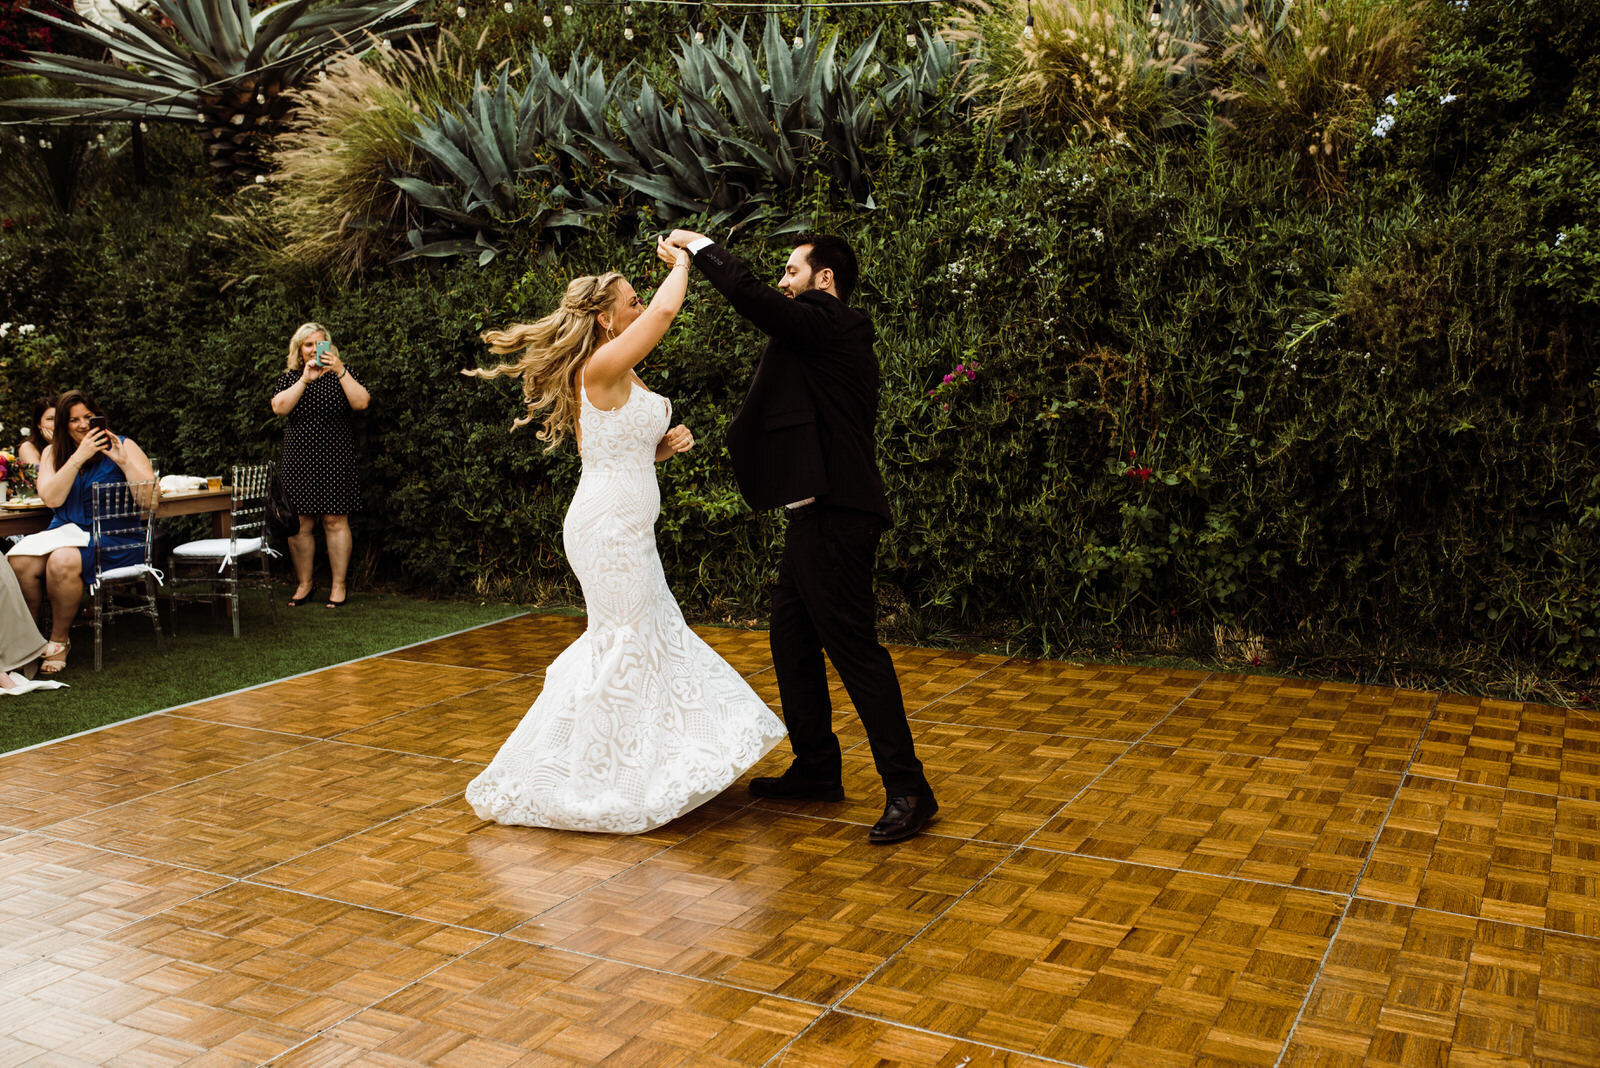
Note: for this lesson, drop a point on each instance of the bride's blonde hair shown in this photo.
(550, 351)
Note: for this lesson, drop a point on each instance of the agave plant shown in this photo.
(747, 130)
(210, 62)
(506, 155)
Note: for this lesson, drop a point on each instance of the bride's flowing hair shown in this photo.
(548, 353)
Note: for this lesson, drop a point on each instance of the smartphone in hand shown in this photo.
(322, 350)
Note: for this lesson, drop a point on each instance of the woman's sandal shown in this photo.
(55, 658)
(296, 602)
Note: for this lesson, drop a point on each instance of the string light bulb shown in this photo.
(1027, 27)
(627, 23)
(549, 22)
(911, 36)
(566, 9)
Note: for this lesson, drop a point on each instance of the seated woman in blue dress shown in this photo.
(80, 457)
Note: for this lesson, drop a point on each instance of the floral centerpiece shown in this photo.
(17, 477)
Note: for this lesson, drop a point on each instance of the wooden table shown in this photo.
(219, 503)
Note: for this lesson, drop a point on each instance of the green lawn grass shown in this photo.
(205, 659)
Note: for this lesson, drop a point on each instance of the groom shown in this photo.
(803, 439)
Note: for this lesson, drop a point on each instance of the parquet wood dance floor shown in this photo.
(1132, 867)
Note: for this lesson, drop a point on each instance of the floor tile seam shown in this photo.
(1179, 869)
(368, 829)
(260, 685)
(332, 899)
(191, 899)
(307, 743)
(1540, 928)
(1344, 914)
(1073, 735)
(370, 1006)
(1503, 788)
(618, 874)
(960, 686)
(601, 958)
(861, 1015)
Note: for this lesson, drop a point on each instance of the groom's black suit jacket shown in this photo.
(805, 428)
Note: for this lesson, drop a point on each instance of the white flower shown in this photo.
(1460, 5)
(1447, 98)
(5, 329)
(24, 329)
(1382, 127)
(1562, 236)
(1098, 234)
(1390, 101)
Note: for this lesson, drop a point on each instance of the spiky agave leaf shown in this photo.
(218, 64)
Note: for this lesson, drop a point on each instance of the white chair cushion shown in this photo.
(132, 571)
(215, 548)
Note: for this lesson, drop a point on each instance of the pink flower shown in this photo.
(949, 378)
(972, 376)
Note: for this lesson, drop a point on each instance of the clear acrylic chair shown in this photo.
(220, 563)
(124, 516)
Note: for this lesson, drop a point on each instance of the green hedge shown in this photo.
(1364, 429)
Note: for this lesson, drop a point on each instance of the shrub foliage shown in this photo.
(1128, 390)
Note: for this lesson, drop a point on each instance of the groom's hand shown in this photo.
(683, 238)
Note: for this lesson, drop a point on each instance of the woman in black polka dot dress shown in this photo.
(318, 393)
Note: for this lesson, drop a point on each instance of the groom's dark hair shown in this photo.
(834, 254)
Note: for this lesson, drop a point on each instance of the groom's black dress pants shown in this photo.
(824, 602)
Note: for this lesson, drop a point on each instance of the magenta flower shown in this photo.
(949, 378)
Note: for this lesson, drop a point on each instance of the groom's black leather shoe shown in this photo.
(792, 786)
(902, 818)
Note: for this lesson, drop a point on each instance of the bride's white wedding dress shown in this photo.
(639, 720)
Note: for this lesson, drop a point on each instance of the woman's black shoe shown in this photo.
(902, 818)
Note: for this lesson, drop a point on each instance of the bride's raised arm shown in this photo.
(612, 361)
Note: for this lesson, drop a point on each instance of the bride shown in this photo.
(639, 720)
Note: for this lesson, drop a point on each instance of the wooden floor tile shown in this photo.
(79, 775)
(445, 864)
(995, 785)
(1538, 748)
(244, 820)
(931, 675)
(471, 727)
(770, 902)
(845, 1040)
(1405, 987)
(1377, 727)
(1302, 823)
(235, 977)
(513, 1003)
(520, 645)
(1102, 963)
(1131, 867)
(54, 894)
(343, 698)
(1054, 697)
(1504, 855)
